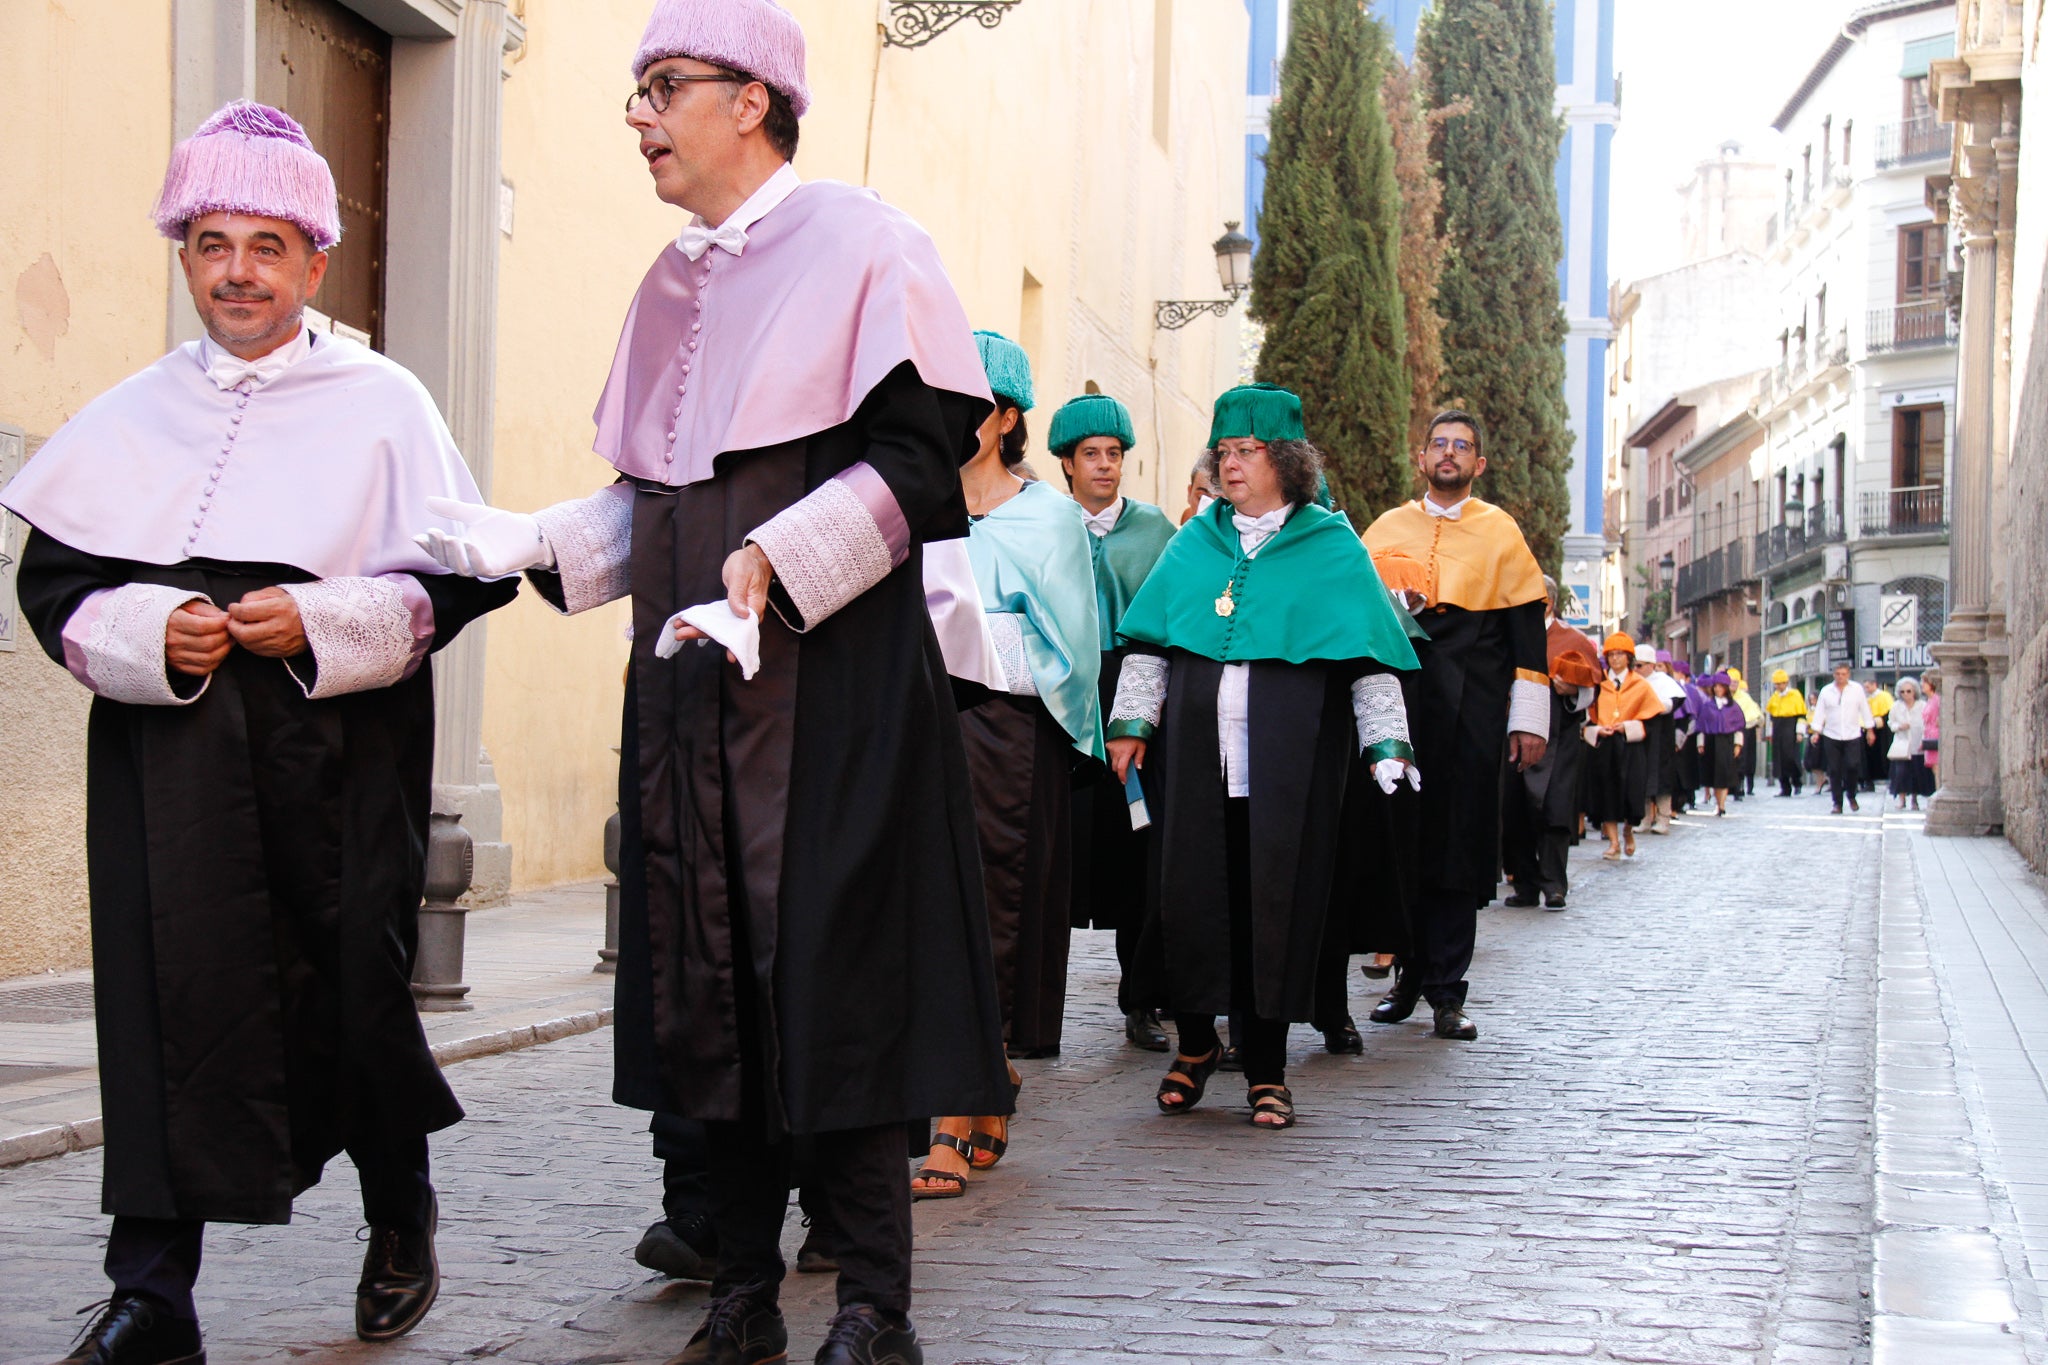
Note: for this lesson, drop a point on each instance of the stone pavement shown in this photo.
(528, 966)
(1659, 1150)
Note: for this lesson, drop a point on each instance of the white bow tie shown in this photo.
(696, 239)
(230, 371)
(1269, 523)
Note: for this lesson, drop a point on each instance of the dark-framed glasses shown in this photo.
(662, 89)
(1439, 444)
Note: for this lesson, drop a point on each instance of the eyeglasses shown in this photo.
(662, 89)
(1458, 443)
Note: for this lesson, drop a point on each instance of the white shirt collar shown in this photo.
(1252, 532)
(228, 370)
(1452, 512)
(1103, 522)
(697, 237)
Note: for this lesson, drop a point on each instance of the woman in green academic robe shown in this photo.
(1263, 649)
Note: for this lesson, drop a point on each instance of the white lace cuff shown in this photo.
(1529, 709)
(114, 644)
(361, 633)
(828, 547)
(1006, 628)
(592, 540)
(1381, 714)
(1140, 697)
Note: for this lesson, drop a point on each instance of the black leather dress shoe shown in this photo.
(744, 1327)
(134, 1329)
(682, 1248)
(1396, 1005)
(1344, 1038)
(401, 1276)
(1521, 900)
(1452, 1023)
(861, 1335)
(1553, 900)
(1143, 1029)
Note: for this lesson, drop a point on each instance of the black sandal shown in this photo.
(1198, 1070)
(987, 1142)
(1275, 1107)
(958, 1181)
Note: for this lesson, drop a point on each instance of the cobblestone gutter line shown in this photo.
(1939, 1280)
(61, 1138)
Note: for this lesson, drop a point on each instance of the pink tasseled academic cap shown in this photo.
(758, 37)
(250, 158)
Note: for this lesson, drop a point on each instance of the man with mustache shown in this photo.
(803, 950)
(221, 551)
(1483, 693)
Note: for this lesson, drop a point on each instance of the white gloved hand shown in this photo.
(492, 544)
(1387, 772)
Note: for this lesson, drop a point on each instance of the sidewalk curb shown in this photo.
(64, 1138)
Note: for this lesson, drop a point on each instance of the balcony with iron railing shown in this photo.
(1915, 139)
(1797, 537)
(1910, 326)
(1716, 572)
(1901, 511)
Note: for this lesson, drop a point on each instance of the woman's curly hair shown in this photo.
(1299, 465)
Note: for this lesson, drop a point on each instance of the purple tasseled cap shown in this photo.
(758, 37)
(250, 158)
(1681, 667)
(1663, 656)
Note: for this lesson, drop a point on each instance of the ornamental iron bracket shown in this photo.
(1170, 315)
(913, 23)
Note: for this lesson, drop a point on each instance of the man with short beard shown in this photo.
(221, 551)
(803, 941)
(1461, 566)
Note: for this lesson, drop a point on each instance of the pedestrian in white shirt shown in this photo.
(1842, 719)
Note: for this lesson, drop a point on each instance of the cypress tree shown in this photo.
(1504, 326)
(1404, 92)
(1325, 283)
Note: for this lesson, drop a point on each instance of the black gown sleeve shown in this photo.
(53, 579)
(458, 601)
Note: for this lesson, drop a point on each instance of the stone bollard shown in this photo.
(608, 956)
(437, 985)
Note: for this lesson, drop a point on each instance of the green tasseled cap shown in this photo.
(1009, 369)
(1092, 414)
(1262, 412)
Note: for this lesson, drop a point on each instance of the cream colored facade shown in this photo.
(1073, 164)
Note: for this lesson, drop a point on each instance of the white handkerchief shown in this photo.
(740, 634)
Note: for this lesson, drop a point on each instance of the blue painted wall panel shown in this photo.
(1596, 431)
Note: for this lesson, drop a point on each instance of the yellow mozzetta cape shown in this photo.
(1478, 561)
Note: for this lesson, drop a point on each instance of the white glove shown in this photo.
(1387, 772)
(492, 544)
(740, 634)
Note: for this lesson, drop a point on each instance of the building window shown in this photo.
(1915, 103)
(1920, 251)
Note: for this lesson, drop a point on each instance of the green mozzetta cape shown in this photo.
(1311, 593)
(1123, 558)
(1031, 558)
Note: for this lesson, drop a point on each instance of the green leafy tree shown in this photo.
(1405, 91)
(1326, 282)
(1504, 328)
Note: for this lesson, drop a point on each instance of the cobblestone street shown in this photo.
(1658, 1150)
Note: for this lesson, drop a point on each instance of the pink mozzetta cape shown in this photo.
(326, 468)
(834, 290)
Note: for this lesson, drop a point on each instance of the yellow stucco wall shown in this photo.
(1027, 148)
(82, 289)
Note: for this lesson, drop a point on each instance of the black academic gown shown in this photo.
(256, 862)
(803, 944)
(1300, 742)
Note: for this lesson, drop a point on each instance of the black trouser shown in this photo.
(1785, 754)
(857, 1178)
(680, 1146)
(1446, 928)
(1845, 767)
(160, 1256)
(1261, 1043)
(1545, 870)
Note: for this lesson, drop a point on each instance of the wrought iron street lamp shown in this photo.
(1233, 267)
(913, 23)
(1665, 568)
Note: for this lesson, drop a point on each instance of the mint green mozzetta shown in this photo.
(1031, 557)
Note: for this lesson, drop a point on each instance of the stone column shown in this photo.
(441, 320)
(1972, 643)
